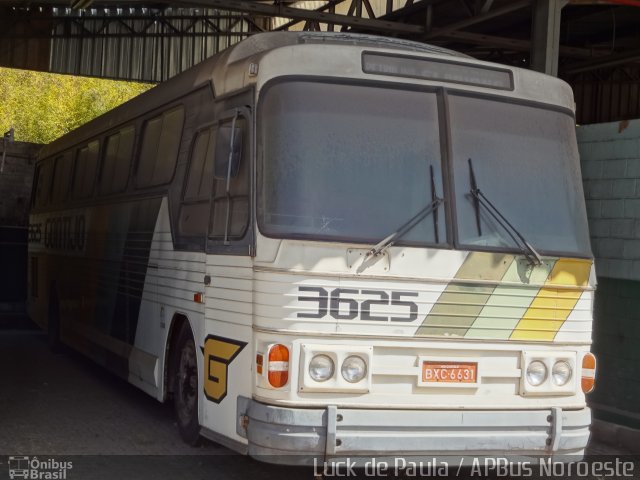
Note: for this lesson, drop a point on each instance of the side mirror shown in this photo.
(228, 149)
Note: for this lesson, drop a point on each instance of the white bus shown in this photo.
(331, 245)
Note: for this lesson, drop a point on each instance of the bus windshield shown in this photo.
(348, 162)
(525, 160)
(351, 163)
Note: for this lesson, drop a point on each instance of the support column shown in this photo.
(545, 35)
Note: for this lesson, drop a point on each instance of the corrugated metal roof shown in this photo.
(140, 43)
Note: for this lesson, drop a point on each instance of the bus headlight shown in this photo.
(536, 373)
(321, 368)
(354, 369)
(561, 373)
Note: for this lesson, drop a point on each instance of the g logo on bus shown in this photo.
(219, 352)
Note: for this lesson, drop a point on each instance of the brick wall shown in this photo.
(610, 157)
(15, 193)
(616, 343)
(15, 183)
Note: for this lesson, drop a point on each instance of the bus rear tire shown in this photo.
(53, 323)
(185, 387)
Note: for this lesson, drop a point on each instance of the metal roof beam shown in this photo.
(518, 44)
(486, 6)
(496, 12)
(411, 9)
(331, 5)
(281, 10)
(602, 62)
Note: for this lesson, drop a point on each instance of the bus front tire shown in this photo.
(185, 387)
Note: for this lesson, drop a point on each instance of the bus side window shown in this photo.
(43, 190)
(230, 213)
(38, 182)
(114, 174)
(61, 177)
(160, 145)
(85, 170)
(194, 211)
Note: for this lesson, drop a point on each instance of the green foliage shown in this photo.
(44, 106)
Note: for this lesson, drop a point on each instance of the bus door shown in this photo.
(227, 331)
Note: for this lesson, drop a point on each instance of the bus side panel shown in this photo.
(37, 295)
(94, 261)
(222, 326)
(227, 344)
(172, 280)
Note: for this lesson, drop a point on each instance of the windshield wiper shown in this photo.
(388, 241)
(480, 198)
(434, 199)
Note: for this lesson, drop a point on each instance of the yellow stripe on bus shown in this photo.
(551, 307)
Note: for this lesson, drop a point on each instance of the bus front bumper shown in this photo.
(300, 435)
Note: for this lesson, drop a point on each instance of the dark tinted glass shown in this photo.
(85, 170)
(62, 178)
(160, 146)
(114, 175)
(526, 162)
(347, 162)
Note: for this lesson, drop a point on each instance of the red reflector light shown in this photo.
(588, 381)
(259, 363)
(278, 366)
(198, 297)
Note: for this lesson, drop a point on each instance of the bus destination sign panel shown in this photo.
(435, 69)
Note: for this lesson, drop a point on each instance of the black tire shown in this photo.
(185, 387)
(53, 323)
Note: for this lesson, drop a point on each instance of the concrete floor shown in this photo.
(65, 406)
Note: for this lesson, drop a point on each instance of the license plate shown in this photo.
(449, 372)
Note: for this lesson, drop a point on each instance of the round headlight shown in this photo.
(536, 373)
(321, 368)
(354, 369)
(561, 373)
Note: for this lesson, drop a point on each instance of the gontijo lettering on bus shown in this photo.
(65, 232)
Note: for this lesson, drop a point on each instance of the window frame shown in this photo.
(68, 155)
(224, 107)
(451, 193)
(448, 180)
(38, 203)
(160, 113)
(225, 117)
(103, 155)
(211, 127)
(92, 191)
(446, 235)
(34, 185)
(201, 240)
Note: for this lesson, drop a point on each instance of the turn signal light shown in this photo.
(278, 366)
(198, 297)
(588, 373)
